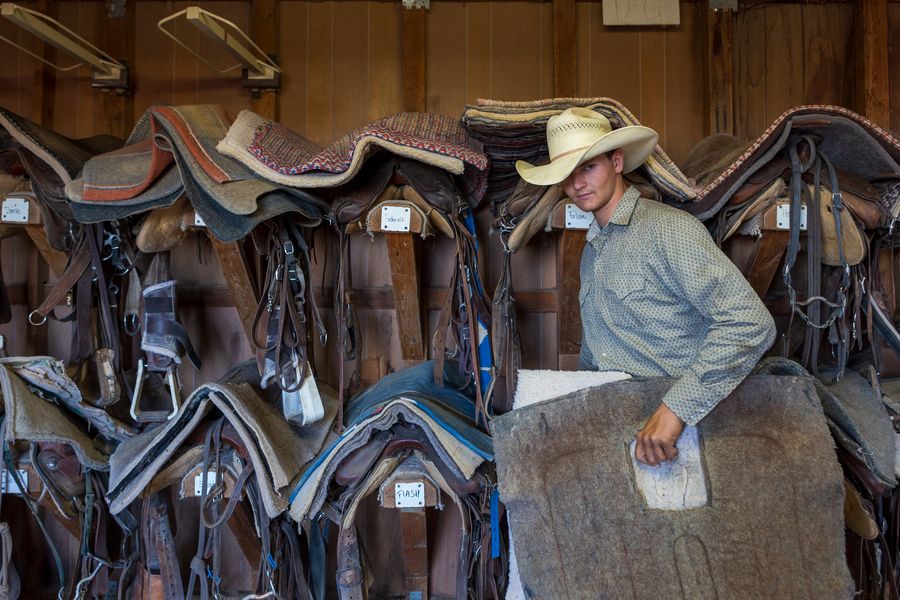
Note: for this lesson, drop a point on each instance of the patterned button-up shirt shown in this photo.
(658, 298)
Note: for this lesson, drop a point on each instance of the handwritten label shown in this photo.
(198, 220)
(210, 483)
(409, 495)
(8, 483)
(641, 12)
(395, 218)
(783, 217)
(15, 210)
(577, 218)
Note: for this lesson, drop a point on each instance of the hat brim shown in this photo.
(636, 141)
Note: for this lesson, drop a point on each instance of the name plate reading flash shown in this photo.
(577, 218)
(409, 495)
(8, 483)
(395, 218)
(15, 210)
(783, 217)
(210, 482)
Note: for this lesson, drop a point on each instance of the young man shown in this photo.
(658, 298)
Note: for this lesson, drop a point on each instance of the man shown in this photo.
(658, 298)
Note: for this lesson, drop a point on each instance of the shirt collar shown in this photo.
(620, 216)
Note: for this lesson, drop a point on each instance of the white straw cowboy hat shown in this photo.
(579, 134)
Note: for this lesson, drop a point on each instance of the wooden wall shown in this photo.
(343, 64)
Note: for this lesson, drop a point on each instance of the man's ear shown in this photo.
(618, 160)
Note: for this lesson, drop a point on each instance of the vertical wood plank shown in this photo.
(583, 33)
(116, 108)
(293, 47)
(750, 74)
(653, 81)
(479, 50)
(720, 66)
(564, 40)
(413, 37)
(445, 46)
(784, 59)
(350, 66)
(894, 21)
(827, 54)
(872, 78)
(686, 97)
(264, 32)
(516, 59)
(385, 52)
(320, 76)
(45, 76)
(620, 78)
(153, 60)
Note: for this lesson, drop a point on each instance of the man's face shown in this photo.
(592, 184)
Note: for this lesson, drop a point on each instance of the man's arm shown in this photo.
(740, 330)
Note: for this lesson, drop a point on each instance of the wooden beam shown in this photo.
(239, 280)
(568, 260)
(56, 259)
(264, 32)
(720, 69)
(872, 73)
(564, 36)
(413, 71)
(405, 256)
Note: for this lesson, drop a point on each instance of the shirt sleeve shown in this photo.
(740, 326)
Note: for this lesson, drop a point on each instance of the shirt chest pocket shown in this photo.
(624, 300)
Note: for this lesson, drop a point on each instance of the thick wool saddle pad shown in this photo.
(772, 526)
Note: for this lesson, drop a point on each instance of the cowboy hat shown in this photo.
(577, 135)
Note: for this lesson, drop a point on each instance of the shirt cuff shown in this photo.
(690, 399)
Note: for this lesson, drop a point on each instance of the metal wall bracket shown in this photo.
(260, 71)
(107, 71)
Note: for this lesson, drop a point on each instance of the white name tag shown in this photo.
(198, 220)
(395, 218)
(15, 210)
(783, 217)
(577, 218)
(210, 483)
(409, 495)
(8, 483)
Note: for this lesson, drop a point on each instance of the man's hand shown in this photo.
(656, 441)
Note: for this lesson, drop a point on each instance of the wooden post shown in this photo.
(414, 533)
(56, 259)
(413, 73)
(264, 32)
(240, 282)
(872, 75)
(564, 36)
(568, 310)
(405, 252)
(720, 69)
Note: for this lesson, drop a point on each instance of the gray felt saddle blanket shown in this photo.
(771, 527)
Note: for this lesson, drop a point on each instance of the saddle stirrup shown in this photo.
(172, 384)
